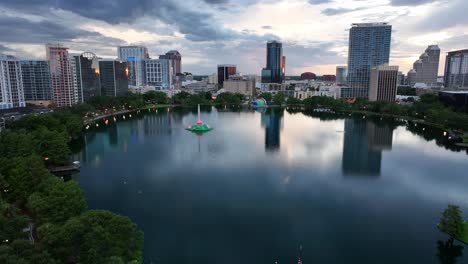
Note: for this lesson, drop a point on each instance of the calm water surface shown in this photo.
(349, 190)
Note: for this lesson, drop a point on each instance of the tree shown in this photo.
(267, 96)
(279, 98)
(57, 201)
(293, 101)
(156, 97)
(12, 223)
(451, 222)
(95, 236)
(23, 252)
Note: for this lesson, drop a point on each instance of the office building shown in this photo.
(224, 72)
(86, 75)
(369, 46)
(36, 82)
(123, 52)
(426, 68)
(456, 69)
(383, 83)
(175, 61)
(11, 83)
(61, 75)
(244, 86)
(274, 70)
(283, 66)
(158, 74)
(341, 75)
(113, 77)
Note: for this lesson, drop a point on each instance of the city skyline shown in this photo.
(227, 31)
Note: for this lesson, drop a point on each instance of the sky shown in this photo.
(314, 33)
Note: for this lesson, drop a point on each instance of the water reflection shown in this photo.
(271, 121)
(364, 141)
(447, 252)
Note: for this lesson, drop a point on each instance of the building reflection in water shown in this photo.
(271, 120)
(364, 141)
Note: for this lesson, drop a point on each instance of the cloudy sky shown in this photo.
(209, 32)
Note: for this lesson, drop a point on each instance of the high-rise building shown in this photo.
(426, 68)
(456, 69)
(224, 71)
(237, 84)
(283, 66)
(341, 75)
(369, 46)
(61, 75)
(383, 83)
(135, 56)
(36, 81)
(158, 74)
(113, 75)
(274, 71)
(176, 60)
(86, 73)
(123, 52)
(11, 83)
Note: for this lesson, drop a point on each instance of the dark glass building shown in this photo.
(36, 80)
(274, 63)
(224, 71)
(369, 46)
(113, 77)
(456, 69)
(87, 76)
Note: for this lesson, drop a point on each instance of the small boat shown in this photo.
(199, 127)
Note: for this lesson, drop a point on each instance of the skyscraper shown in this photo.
(341, 75)
(224, 71)
(61, 75)
(369, 46)
(11, 83)
(134, 56)
(383, 83)
(158, 74)
(36, 81)
(426, 68)
(456, 69)
(273, 72)
(113, 75)
(176, 60)
(86, 71)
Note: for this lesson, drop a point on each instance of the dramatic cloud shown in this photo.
(211, 32)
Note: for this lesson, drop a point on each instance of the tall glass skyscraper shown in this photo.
(369, 46)
(274, 64)
(87, 76)
(456, 69)
(113, 77)
(36, 80)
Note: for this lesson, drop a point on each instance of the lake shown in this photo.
(262, 184)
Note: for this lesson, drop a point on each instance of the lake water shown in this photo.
(349, 190)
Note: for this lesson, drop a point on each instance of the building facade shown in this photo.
(341, 75)
(158, 74)
(383, 83)
(113, 77)
(369, 46)
(224, 72)
(36, 81)
(11, 83)
(240, 85)
(123, 52)
(456, 69)
(61, 75)
(426, 68)
(134, 56)
(175, 59)
(274, 70)
(86, 76)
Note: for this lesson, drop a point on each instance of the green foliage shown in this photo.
(293, 101)
(180, 97)
(23, 252)
(57, 201)
(156, 97)
(406, 91)
(452, 222)
(95, 236)
(12, 223)
(229, 99)
(267, 96)
(279, 98)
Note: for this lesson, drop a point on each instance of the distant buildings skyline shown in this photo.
(425, 69)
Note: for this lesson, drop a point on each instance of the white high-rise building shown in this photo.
(426, 68)
(134, 56)
(158, 74)
(124, 52)
(11, 83)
